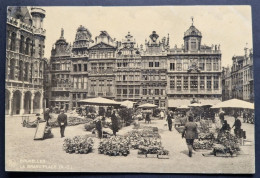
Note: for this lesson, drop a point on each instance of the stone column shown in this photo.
(17, 42)
(11, 103)
(41, 103)
(22, 104)
(33, 95)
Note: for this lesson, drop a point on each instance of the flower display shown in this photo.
(78, 145)
(114, 146)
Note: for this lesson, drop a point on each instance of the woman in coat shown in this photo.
(190, 133)
(114, 121)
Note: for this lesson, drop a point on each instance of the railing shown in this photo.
(59, 98)
(101, 72)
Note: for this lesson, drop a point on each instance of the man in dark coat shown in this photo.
(237, 125)
(99, 127)
(114, 121)
(62, 121)
(169, 120)
(190, 133)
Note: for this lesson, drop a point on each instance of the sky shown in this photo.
(229, 26)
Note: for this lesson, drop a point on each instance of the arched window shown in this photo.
(13, 39)
(27, 48)
(20, 77)
(26, 74)
(12, 67)
(21, 49)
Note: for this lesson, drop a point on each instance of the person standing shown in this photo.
(237, 125)
(148, 119)
(169, 120)
(114, 121)
(47, 116)
(221, 116)
(161, 115)
(190, 133)
(62, 121)
(99, 127)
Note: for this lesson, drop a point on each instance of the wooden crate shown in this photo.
(151, 156)
(163, 157)
(141, 156)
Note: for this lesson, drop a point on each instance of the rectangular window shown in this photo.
(156, 91)
(74, 67)
(162, 92)
(185, 83)
(202, 66)
(119, 64)
(193, 45)
(125, 91)
(150, 64)
(172, 82)
(157, 64)
(131, 91)
(172, 66)
(85, 67)
(84, 95)
(208, 66)
(137, 91)
(202, 83)
(119, 91)
(74, 96)
(144, 91)
(178, 84)
(79, 67)
(179, 66)
(215, 66)
(209, 82)
(124, 77)
(78, 96)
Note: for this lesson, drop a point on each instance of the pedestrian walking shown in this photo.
(237, 124)
(190, 133)
(169, 120)
(114, 121)
(62, 121)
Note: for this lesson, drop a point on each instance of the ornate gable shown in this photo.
(102, 45)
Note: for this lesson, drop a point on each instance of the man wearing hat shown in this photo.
(47, 115)
(62, 121)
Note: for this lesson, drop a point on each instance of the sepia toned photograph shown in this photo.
(136, 89)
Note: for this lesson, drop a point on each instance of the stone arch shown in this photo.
(37, 102)
(27, 102)
(16, 102)
(21, 70)
(7, 101)
(12, 69)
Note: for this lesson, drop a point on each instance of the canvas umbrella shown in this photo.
(234, 103)
(195, 105)
(127, 103)
(183, 107)
(147, 105)
(100, 101)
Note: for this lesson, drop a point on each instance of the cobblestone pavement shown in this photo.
(25, 154)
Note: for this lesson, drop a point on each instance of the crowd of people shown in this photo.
(186, 118)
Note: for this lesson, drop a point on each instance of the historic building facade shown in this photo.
(193, 71)
(242, 78)
(154, 73)
(153, 70)
(226, 84)
(128, 70)
(60, 74)
(25, 38)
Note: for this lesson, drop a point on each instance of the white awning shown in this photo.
(174, 103)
